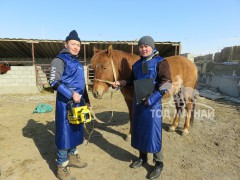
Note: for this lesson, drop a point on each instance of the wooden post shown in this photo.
(178, 49)
(34, 64)
(33, 58)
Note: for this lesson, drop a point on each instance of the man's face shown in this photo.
(73, 46)
(145, 50)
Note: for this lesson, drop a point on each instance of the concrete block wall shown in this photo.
(208, 57)
(224, 77)
(20, 79)
(227, 54)
(230, 54)
(228, 85)
(189, 56)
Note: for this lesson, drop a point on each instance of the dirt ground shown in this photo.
(27, 150)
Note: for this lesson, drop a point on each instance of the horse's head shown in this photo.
(103, 71)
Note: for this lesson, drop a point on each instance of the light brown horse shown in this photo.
(111, 65)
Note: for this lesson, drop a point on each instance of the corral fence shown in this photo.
(42, 71)
(39, 53)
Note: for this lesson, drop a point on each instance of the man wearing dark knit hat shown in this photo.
(67, 79)
(147, 40)
(146, 124)
(73, 35)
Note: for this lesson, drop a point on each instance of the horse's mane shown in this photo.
(123, 61)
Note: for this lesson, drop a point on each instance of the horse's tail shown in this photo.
(194, 97)
(192, 113)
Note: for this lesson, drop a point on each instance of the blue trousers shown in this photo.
(62, 155)
(156, 156)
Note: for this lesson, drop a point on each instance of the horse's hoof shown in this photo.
(185, 132)
(127, 138)
(171, 129)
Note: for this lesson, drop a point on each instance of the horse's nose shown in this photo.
(97, 94)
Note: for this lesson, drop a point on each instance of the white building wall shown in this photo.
(19, 80)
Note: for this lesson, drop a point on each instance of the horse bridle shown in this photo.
(114, 75)
(93, 113)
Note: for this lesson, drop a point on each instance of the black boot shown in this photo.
(156, 170)
(140, 161)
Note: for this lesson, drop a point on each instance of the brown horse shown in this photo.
(4, 68)
(111, 65)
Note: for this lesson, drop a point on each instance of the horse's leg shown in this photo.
(179, 109)
(127, 93)
(187, 120)
(190, 106)
(192, 114)
(129, 105)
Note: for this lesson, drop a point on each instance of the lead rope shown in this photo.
(97, 119)
(114, 71)
(114, 75)
(91, 109)
(111, 83)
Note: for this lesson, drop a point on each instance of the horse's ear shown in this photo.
(110, 51)
(95, 50)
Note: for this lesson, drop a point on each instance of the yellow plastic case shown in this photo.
(79, 115)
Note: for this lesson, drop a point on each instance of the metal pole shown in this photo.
(132, 48)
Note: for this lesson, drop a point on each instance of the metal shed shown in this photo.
(40, 52)
(27, 48)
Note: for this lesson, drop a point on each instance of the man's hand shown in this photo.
(144, 101)
(76, 97)
(118, 84)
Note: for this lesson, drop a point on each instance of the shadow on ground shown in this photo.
(43, 137)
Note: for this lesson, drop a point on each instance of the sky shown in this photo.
(202, 26)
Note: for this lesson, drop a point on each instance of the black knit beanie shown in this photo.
(73, 35)
(147, 40)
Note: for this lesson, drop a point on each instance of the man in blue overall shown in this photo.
(147, 119)
(67, 78)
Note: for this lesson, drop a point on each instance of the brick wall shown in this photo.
(20, 79)
(19, 76)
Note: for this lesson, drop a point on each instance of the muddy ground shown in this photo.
(210, 151)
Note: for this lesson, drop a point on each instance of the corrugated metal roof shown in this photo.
(22, 48)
